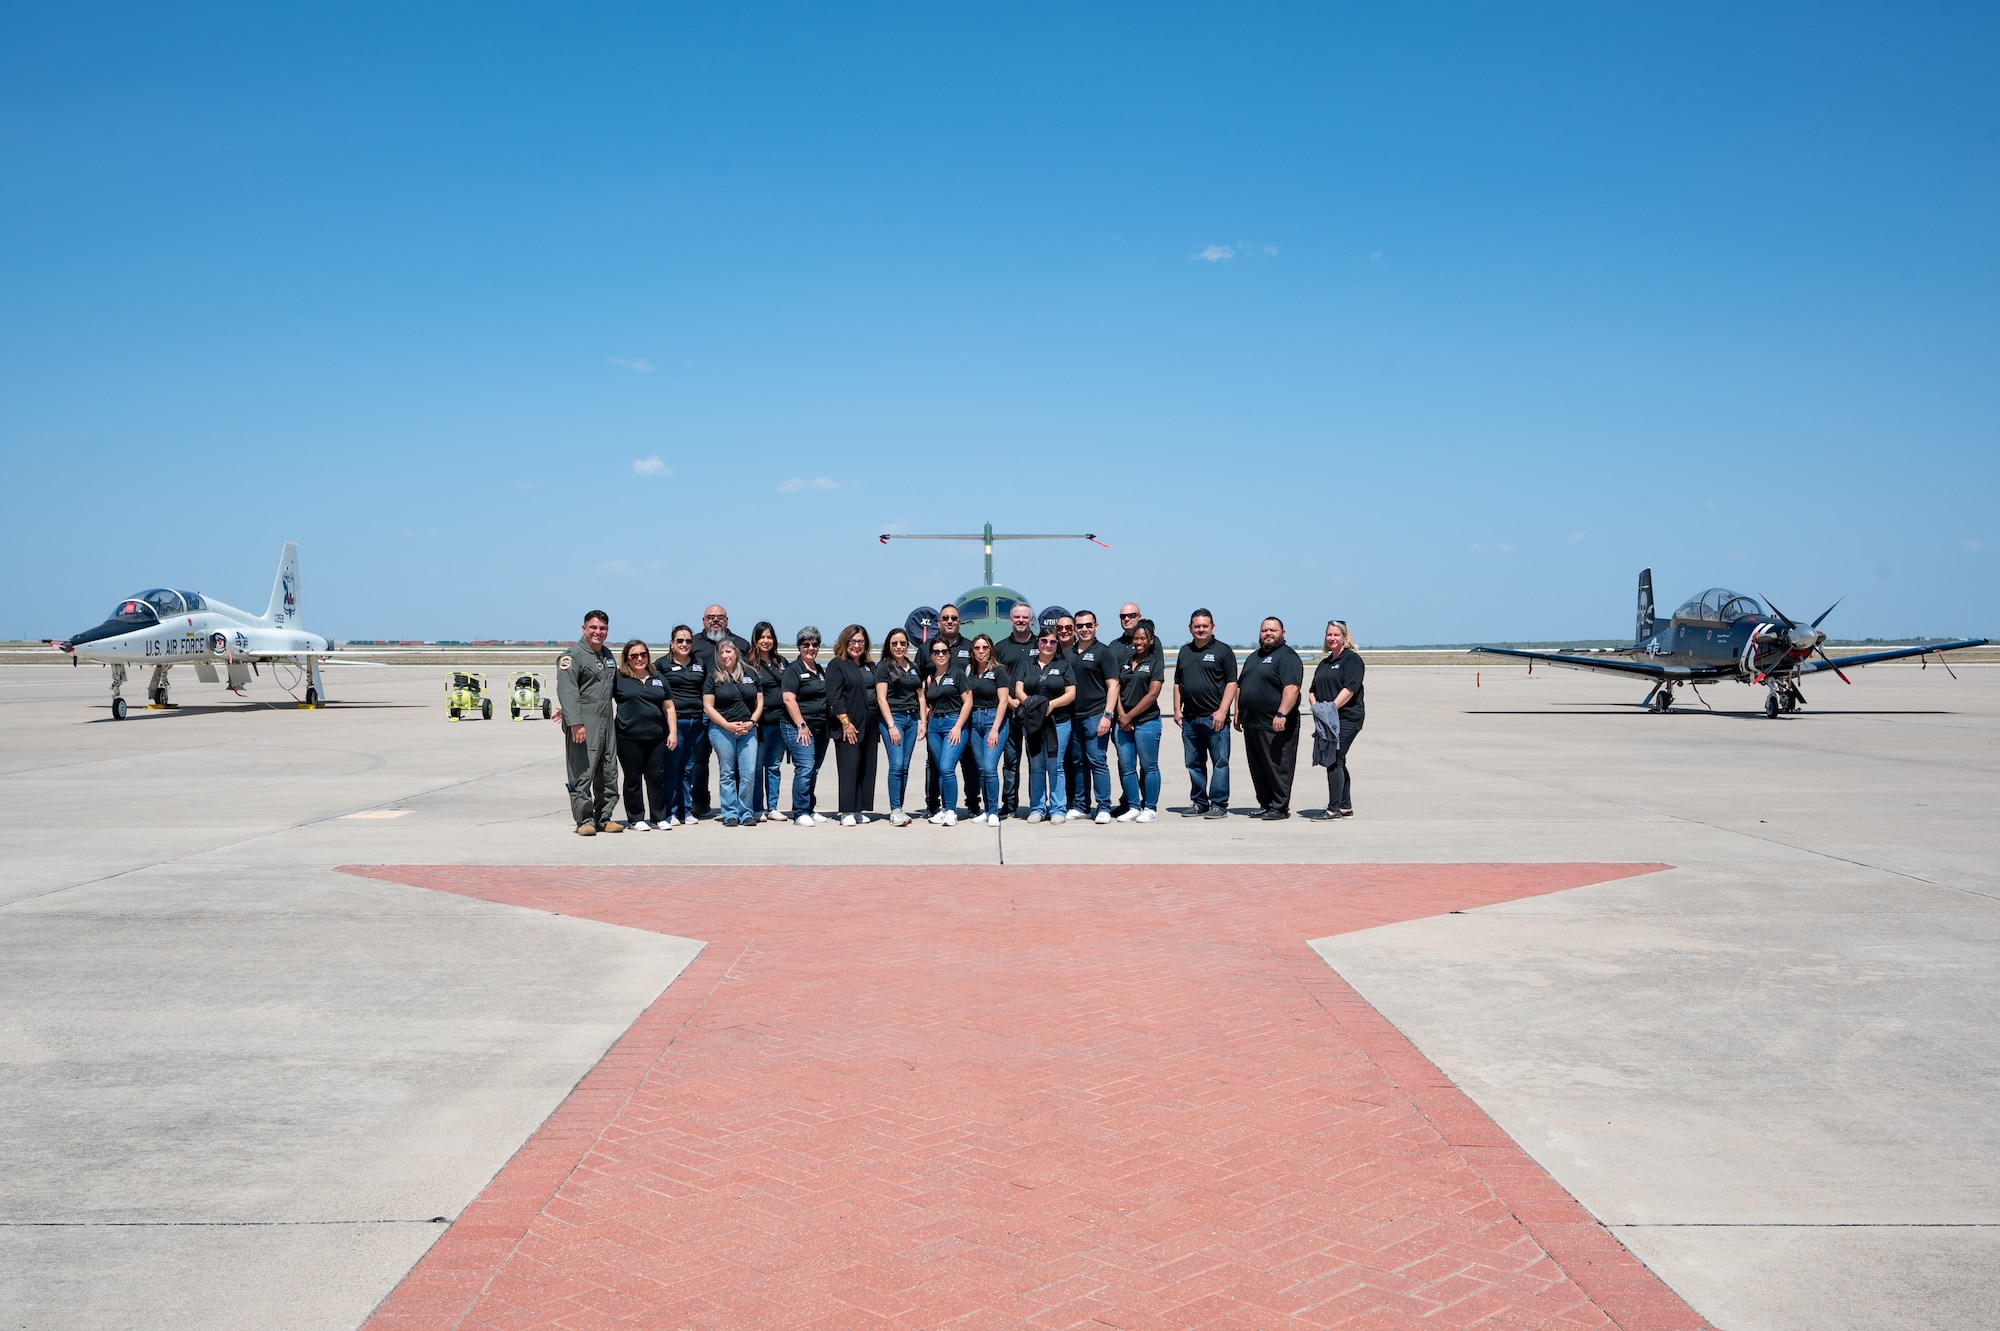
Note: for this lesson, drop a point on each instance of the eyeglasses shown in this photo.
(810, 642)
(1123, 615)
(705, 618)
(947, 619)
(940, 651)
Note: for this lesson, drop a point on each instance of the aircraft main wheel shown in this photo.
(312, 696)
(486, 710)
(117, 709)
(1771, 706)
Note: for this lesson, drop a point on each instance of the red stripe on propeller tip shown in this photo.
(1094, 541)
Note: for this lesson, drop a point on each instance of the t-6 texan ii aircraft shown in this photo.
(1721, 635)
(163, 628)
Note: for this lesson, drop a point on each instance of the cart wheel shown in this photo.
(117, 709)
(486, 710)
(454, 714)
(514, 713)
(545, 709)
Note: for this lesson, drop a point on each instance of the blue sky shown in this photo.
(1442, 319)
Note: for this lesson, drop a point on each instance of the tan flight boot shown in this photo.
(613, 827)
(586, 829)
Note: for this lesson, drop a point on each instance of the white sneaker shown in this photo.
(641, 826)
(937, 819)
(847, 820)
(993, 820)
(1130, 815)
(950, 817)
(1035, 815)
(1149, 816)
(897, 818)
(804, 820)
(1103, 817)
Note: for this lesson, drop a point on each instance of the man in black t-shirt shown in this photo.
(1014, 651)
(714, 628)
(1267, 712)
(1095, 666)
(1204, 692)
(968, 765)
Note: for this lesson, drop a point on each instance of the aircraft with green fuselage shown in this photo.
(986, 608)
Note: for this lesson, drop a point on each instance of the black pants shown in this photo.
(856, 763)
(698, 768)
(968, 779)
(644, 763)
(1339, 790)
(1010, 773)
(1273, 757)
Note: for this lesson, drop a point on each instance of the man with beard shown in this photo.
(714, 629)
(1267, 714)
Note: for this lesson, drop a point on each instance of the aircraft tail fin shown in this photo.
(1646, 626)
(284, 611)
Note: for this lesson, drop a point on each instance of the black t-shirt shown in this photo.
(684, 682)
(989, 684)
(771, 679)
(808, 687)
(1135, 676)
(903, 685)
(1260, 687)
(1014, 655)
(1049, 681)
(945, 694)
(1335, 673)
(735, 701)
(850, 691)
(1090, 667)
(704, 650)
(1201, 674)
(641, 704)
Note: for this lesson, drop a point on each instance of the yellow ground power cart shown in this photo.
(526, 695)
(465, 695)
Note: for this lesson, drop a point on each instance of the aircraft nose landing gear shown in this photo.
(1663, 700)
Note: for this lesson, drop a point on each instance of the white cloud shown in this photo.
(1376, 255)
(1576, 536)
(795, 484)
(613, 566)
(1214, 254)
(651, 466)
(641, 364)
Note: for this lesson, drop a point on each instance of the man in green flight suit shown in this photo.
(585, 674)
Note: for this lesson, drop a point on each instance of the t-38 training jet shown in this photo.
(1721, 635)
(163, 628)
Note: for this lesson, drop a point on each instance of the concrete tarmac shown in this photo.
(243, 1087)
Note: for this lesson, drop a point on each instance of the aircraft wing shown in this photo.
(1612, 664)
(1874, 658)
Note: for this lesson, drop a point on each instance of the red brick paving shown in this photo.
(1035, 1097)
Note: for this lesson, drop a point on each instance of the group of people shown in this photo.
(1056, 700)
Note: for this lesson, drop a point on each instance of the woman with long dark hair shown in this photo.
(768, 668)
(947, 705)
(899, 687)
(733, 702)
(1140, 679)
(992, 691)
(684, 673)
(850, 703)
(645, 729)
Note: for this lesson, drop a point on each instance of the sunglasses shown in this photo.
(1123, 615)
(637, 652)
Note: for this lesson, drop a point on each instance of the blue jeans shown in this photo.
(1084, 737)
(1046, 789)
(736, 755)
(945, 752)
(900, 755)
(987, 755)
(1139, 751)
(1205, 747)
(680, 769)
(770, 769)
(806, 757)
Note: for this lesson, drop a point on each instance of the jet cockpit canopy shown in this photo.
(163, 602)
(1719, 605)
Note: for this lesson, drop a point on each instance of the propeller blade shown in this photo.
(1821, 653)
(1829, 610)
(1790, 623)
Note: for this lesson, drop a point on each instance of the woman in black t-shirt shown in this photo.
(684, 673)
(898, 689)
(992, 691)
(645, 729)
(769, 669)
(1141, 675)
(947, 705)
(850, 702)
(1047, 675)
(733, 701)
(804, 727)
(1337, 680)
